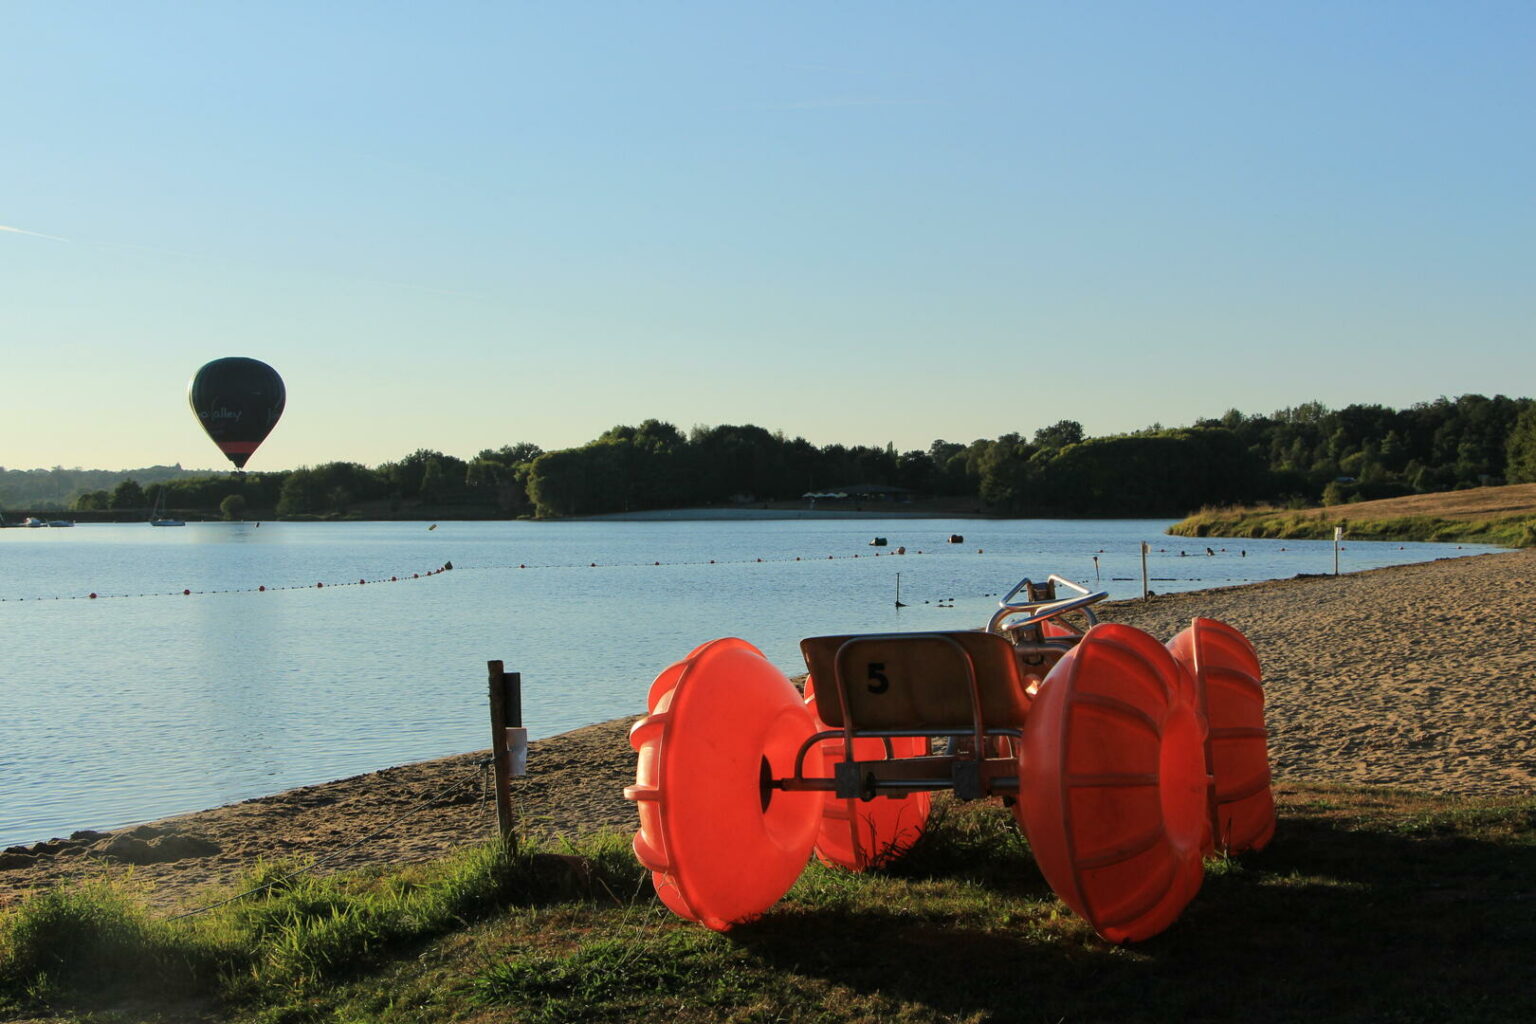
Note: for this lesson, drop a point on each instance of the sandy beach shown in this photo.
(1418, 676)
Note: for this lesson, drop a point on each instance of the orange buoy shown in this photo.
(863, 834)
(1113, 790)
(722, 845)
(1226, 673)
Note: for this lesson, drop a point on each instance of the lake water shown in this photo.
(145, 701)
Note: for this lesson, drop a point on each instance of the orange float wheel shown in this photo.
(1052, 629)
(1226, 673)
(721, 844)
(863, 834)
(1113, 786)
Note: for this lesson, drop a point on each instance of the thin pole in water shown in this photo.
(898, 591)
(1144, 581)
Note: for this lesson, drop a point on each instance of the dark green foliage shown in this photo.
(91, 501)
(503, 474)
(329, 488)
(1521, 448)
(1304, 455)
(127, 494)
(1163, 473)
(1295, 455)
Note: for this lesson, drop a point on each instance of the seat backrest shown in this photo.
(916, 680)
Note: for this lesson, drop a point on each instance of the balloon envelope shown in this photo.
(238, 401)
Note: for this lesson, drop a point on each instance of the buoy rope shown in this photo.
(448, 566)
(708, 561)
(188, 592)
(502, 567)
(429, 801)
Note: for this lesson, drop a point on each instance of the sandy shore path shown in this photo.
(1419, 676)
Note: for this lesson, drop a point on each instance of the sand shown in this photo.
(1418, 676)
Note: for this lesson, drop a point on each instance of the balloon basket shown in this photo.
(1124, 761)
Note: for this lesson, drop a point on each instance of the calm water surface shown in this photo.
(146, 702)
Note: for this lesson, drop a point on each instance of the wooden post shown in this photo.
(1338, 536)
(509, 744)
(1144, 581)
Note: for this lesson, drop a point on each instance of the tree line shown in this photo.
(1305, 455)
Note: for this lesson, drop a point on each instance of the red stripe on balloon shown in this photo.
(238, 447)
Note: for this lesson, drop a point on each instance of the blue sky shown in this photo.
(461, 225)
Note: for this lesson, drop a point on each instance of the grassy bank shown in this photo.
(1503, 515)
(1370, 904)
(1515, 531)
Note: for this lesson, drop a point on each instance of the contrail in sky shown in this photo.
(840, 101)
(34, 234)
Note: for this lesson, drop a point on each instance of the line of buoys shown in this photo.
(899, 552)
(260, 589)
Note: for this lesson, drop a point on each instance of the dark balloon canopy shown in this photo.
(238, 401)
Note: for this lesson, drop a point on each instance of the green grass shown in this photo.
(1370, 905)
(1282, 524)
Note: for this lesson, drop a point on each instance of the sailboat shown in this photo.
(155, 519)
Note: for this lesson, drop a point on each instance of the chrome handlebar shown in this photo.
(1039, 611)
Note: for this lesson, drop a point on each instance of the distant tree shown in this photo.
(1007, 473)
(1520, 463)
(514, 454)
(233, 507)
(1059, 434)
(329, 487)
(127, 494)
(407, 475)
(431, 488)
(916, 472)
(561, 484)
(92, 501)
(301, 494)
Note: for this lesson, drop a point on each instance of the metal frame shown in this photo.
(970, 774)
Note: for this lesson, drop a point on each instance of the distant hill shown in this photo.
(56, 488)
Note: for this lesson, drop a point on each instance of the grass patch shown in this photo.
(95, 938)
(1285, 524)
(1371, 904)
(296, 934)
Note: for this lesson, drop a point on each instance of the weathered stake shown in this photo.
(509, 744)
(1144, 582)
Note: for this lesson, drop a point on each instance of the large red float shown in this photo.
(1125, 761)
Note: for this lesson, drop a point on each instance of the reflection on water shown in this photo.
(126, 708)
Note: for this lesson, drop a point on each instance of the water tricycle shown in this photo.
(1125, 761)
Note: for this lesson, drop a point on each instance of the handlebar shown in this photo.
(1039, 611)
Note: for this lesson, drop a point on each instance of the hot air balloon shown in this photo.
(238, 400)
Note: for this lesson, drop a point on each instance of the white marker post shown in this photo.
(1338, 535)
